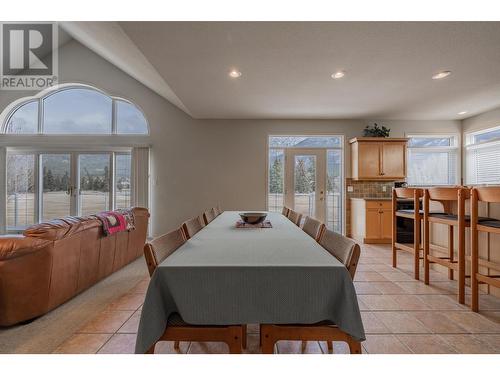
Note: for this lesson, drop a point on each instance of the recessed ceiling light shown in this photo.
(234, 73)
(441, 75)
(338, 75)
(462, 113)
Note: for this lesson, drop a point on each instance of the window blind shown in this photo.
(432, 166)
(483, 163)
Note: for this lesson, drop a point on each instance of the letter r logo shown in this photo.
(27, 49)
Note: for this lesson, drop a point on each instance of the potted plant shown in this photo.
(376, 131)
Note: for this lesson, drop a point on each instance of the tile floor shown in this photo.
(400, 315)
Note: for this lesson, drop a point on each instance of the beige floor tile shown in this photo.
(167, 347)
(107, 322)
(253, 346)
(474, 322)
(295, 347)
(397, 276)
(426, 344)
(366, 287)
(120, 343)
(401, 322)
(208, 348)
(387, 287)
(141, 287)
(494, 316)
(438, 322)
(493, 340)
(83, 343)
(369, 276)
(372, 324)
(379, 302)
(362, 305)
(410, 302)
(486, 302)
(384, 344)
(382, 268)
(418, 287)
(129, 301)
(339, 347)
(132, 324)
(467, 344)
(441, 302)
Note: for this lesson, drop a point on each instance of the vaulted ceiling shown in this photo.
(287, 66)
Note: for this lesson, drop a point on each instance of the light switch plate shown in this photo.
(350, 189)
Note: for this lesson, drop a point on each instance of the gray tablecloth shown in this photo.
(225, 275)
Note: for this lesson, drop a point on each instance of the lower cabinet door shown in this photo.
(386, 223)
(372, 224)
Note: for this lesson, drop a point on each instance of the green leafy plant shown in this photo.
(376, 131)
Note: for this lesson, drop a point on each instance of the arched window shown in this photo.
(24, 120)
(75, 109)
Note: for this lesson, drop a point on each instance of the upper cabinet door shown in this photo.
(393, 160)
(368, 160)
(375, 159)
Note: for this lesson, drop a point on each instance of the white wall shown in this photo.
(196, 164)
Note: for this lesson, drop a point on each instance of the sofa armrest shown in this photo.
(14, 247)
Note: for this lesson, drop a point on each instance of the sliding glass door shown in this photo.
(46, 185)
(56, 200)
(93, 183)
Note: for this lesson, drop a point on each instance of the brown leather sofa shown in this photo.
(56, 260)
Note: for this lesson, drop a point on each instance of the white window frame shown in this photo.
(470, 145)
(456, 146)
(6, 115)
(75, 203)
(343, 169)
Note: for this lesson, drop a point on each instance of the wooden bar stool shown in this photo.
(489, 195)
(446, 196)
(416, 215)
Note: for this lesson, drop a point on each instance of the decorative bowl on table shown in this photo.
(253, 217)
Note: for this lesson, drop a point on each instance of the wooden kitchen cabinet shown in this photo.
(378, 158)
(371, 220)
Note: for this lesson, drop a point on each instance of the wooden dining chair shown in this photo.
(217, 210)
(285, 211)
(294, 217)
(191, 227)
(313, 227)
(347, 252)
(177, 329)
(209, 215)
(447, 196)
(479, 276)
(416, 215)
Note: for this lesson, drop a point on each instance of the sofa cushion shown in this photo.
(60, 228)
(13, 247)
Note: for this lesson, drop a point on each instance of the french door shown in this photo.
(305, 181)
(44, 185)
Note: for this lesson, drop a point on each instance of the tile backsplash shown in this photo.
(364, 189)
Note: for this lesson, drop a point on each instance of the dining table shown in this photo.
(226, 275)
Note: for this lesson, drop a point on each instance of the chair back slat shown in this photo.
(294, 217)
(313, 227)
(157, 250)
(490, 194)
(191, 227)
(344, 249)
(285, 211)
(447, 193)
(209, 215)
(408, 193)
